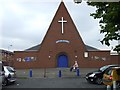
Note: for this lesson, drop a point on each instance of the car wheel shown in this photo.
(89, 81)
(99, 81)
(5, 83)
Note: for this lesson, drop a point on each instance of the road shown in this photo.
(71, 82)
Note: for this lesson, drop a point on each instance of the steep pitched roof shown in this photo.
(54, 30)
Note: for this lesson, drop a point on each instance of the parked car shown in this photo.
(10, 74)
(3, 80)
(112, 74)
(96, 76)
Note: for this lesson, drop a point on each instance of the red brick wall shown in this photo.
(100, 58)
(94, 59)
(22, 63)
(115, 59)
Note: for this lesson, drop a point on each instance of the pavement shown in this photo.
(51, 72)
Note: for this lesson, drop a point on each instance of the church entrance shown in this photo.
(62, 61)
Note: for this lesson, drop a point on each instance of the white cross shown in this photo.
(62, 21)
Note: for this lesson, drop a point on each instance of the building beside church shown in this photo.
(61, 46)
(6, 57)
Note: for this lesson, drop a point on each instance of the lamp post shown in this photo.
(9, 55)
(77, 1)
(9, 47)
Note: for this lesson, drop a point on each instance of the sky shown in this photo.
(24, 23)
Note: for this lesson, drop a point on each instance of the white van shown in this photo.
(10, 74)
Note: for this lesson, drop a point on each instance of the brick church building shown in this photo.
(61, 46)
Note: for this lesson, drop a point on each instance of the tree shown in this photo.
(109, 15)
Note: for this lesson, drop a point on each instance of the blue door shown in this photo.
(62, 61)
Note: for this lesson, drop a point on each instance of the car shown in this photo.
(112, 74)
(1, 74)
(96, 76)
(3, 80)
(10, 74)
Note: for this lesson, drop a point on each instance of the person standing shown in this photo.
(74, 67)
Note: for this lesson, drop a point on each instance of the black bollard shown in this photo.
(59, 74)
(78, 72)
(30, 73)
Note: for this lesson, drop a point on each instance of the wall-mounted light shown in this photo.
(85, 54)
(49, 57)
(76, 56)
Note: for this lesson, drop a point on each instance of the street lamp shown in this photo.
(9, 47)
(77, 1)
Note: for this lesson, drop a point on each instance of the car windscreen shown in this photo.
(1, 67)
(108, 72)
(10, 69)
(103, 68)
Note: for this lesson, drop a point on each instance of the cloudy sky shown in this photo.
(23, 23)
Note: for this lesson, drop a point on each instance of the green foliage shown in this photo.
(109, 15)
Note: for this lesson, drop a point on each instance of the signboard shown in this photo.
(62, 41)
(27, 59)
